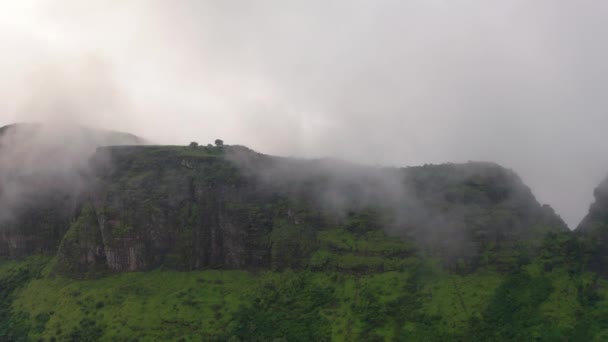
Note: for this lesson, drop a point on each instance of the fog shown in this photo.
(39, 162)
(392, 83)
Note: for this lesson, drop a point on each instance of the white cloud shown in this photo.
(391, 82)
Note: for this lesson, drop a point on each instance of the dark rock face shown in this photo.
(199, 207)
(37, 229)
(44, 173)
(195, 207)
(157, 206)
(598, 212)
(594, 231)
(466, 209)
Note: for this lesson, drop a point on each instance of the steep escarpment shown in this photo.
(475, 209)
(593, 230)
(228, 207)
(44, 171)
(176, 207)
(38, 225)
(597, 218)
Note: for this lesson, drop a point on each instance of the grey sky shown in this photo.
(400, 82)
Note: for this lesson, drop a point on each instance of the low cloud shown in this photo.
(385, 82)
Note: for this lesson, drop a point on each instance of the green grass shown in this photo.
(421, 302)
(159, 305)
(458, 298)
(370, 243)
(364, 253)
(14, 275)
(562, 308)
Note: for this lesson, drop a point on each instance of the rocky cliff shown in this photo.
(131, 208)
(228, 207)
(44, 172)
(597, 218)
(593, 230)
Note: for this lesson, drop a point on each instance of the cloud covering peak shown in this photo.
(385, 82)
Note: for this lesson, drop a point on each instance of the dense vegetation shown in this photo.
(230, 249)
(370, 297)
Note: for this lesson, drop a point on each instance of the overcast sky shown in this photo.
(521, 83)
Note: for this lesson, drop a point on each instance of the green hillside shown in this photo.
(351, 296)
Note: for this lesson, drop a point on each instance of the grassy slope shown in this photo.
(167, 305)
(14, 275)
(161, 305)
(359, 293)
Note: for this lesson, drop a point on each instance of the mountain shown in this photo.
(224, 243)
(594, 230)
(597, 218)
(69, 133)
(44, 171)
(228, 207)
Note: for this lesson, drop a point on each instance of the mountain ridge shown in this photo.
(223, 243)
(454, 210)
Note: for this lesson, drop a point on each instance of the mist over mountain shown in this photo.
(281, 223)
(46, 172)
(453, 210)
(313, 170)
(388, 83)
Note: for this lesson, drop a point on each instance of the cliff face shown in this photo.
(158, 206)
(466, 210)
(597, 218)
(44, 171)
(594, 230)
(228, 207)
(130, 208)
(179, 207)
(38, 226)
